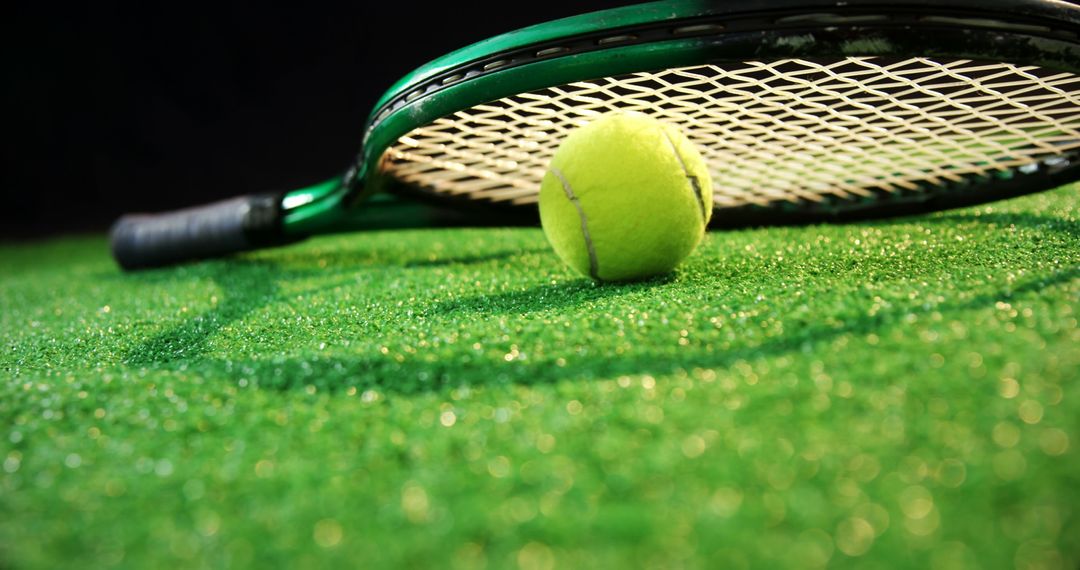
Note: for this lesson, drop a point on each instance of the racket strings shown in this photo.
(782, 131)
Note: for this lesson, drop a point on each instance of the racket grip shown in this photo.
(212, 230)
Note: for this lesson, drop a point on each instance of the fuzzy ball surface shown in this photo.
(625, 198)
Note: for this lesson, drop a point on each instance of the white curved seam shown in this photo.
(694, 183)
(594, 269)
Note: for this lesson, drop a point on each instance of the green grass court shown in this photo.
(893, 394)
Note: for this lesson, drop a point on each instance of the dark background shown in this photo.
(113, 108)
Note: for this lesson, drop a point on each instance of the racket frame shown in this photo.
(679, 33)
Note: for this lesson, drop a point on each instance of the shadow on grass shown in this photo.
(251, 284)
(446, 261)
(548, 297)
(247, 286)
(415, 374)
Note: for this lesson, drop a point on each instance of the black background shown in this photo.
(112, 108)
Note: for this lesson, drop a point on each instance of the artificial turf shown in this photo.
(890, 394)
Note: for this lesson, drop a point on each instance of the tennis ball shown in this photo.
(626, 197)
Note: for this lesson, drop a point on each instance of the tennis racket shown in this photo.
(806, 111)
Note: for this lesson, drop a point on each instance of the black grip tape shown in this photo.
(213, 230)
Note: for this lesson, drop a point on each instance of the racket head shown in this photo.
(806, 111)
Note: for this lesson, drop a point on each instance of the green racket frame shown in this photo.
(637, 38)
(586, 46)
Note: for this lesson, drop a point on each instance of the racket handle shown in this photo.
(212, 230)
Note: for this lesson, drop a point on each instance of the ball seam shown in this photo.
(594, 266)
(695, 184)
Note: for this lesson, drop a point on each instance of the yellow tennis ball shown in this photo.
(626, 197)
